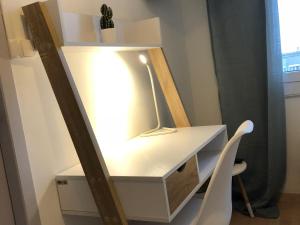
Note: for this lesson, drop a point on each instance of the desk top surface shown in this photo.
(154, 157)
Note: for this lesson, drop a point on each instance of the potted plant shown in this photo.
(107, 25)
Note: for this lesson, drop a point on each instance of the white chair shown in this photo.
(237, 170)
(216, 207)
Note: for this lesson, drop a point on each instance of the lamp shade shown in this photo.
(143, 59)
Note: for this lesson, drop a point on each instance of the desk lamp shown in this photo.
(158, 130)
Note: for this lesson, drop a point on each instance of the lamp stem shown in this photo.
(154, 98)
(158, 130)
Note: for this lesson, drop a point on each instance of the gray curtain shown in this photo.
(246, 46)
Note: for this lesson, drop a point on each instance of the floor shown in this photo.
(289, 214)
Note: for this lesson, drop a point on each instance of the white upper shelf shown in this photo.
(75, 29)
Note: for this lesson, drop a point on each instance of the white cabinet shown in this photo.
(155, 177)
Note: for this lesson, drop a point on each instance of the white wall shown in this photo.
(17, 163)
(49, 146)
(292, 184)
(116, 91)
(205, 100)
(292, 105)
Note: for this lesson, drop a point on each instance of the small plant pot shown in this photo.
(109, 35)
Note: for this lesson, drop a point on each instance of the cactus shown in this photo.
(103, 9)
(106, 18)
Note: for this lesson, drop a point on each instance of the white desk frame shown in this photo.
(140, 170)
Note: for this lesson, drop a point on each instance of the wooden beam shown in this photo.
(75, 117)
(168, 87)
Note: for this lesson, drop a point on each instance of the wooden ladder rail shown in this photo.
(75, 117)
(165, 78)
(48, 44)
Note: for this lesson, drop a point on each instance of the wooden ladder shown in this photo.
(48, 45)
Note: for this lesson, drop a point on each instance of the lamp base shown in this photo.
(159, 131)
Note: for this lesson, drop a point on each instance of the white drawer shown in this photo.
(75, 196)
(140, 200)
(148, 200)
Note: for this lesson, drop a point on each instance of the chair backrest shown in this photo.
(216, 208)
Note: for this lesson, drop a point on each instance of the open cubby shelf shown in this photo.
(207, 161)
(79, 29)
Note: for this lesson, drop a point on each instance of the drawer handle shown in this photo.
(181, 168)
(62, 182)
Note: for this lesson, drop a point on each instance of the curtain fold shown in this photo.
(246, 47)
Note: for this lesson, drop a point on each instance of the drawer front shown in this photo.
(145, 201)
(181, 183)
(75, 196)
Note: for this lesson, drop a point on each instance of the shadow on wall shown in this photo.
(174, 45)
(116, 92)
(186, 40)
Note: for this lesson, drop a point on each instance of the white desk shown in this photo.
(154, 176)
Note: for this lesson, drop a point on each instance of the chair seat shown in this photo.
(188, 215)
(239, 168)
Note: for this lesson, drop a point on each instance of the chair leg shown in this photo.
(245, 196)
